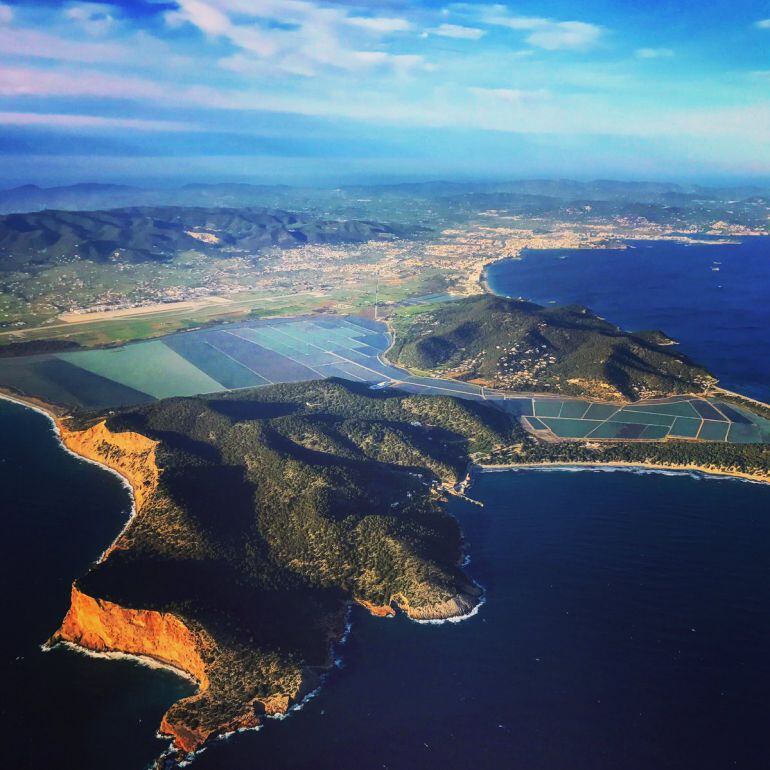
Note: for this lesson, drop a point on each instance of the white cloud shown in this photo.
(59, 120)
(27, 81)
(457, 31)
(295, 37)
(763, 24)
(575, 35)
(202, 15)
(6, 14)
(511, 95)
(41, 45)
(379, 25)
(653, 53)
(549, 34)
(94, 18)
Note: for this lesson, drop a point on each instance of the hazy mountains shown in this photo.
(156, 233)
(101, 196)
(90, 196)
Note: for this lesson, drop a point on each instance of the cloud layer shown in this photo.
(312, 69)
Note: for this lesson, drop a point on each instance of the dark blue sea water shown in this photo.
(721, 318)
(59, 709)
(627, 625)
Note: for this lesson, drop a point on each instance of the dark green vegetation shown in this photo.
(751, 459)
(36, 347)
(278, 506)
(518, 345)
(48, 238)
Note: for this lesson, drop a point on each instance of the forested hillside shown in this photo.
(516, 345)
(261, 514)
(48, 238)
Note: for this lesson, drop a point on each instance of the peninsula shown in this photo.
(515, 345)
(259, 517)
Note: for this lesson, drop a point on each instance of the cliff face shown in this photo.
(132, 455)
(102, 626)
(453, 607)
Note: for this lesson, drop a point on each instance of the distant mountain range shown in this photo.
(89, 196)
(139, 234)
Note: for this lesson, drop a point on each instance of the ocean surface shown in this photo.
(713, 299)
(626, 625)
(60, 709)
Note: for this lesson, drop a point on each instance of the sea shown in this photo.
(712, 298)
(626, 621)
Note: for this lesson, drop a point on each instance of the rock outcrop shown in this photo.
(102, 626)
(454, 607)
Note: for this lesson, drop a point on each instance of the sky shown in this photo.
(314, 92)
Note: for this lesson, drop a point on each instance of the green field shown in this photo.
(713, 431)
(570, 427)
(203, 361)
(547, 407)
(573, 409)
(600, 411)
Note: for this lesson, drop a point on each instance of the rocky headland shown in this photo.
(259, 517)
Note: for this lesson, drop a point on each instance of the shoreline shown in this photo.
(147, 661)
(467, 613)
(566, 465)
(43, 409)
(55, 418)
(455, 618)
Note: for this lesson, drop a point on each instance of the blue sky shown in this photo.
(326, 92)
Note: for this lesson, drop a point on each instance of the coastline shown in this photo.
(54, 415)
(56, 418)
(700, 470)
(484, 277)
(141, 660)
(454, 610)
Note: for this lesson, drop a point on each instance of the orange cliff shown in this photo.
(102, 626)
(132, 455)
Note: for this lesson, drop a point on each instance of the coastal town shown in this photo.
(451, 260)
